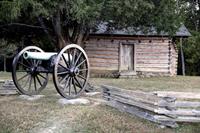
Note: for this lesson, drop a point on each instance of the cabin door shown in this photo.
(127, 57)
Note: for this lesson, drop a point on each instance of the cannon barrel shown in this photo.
(38, 55)
(41, 55)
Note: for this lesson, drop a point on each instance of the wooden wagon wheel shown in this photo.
(71, 71)
(25, 77)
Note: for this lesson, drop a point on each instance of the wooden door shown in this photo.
(127, 57)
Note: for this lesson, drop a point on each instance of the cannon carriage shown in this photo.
(70, 69)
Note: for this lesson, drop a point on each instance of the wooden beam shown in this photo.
(181, 95)
(134, 53)
(182, 57)
(178, 119)
(120, 56)
(140, 113)
(129, 37)
(159, 107)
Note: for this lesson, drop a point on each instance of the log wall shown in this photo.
(103, 56)
(174, 59)
(154, 55)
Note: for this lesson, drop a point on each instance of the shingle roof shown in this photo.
(103, 29)
(183, 32)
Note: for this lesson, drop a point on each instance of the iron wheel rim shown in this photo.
(32, 81)
(75, 72)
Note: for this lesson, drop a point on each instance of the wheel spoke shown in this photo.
(30, 82)
(81, 63)
(23, 76)
(35, 85)
(62, 66)
(69, 59)
(61, 73)
(66, 77)
(65, 61)
(74, 86)
(42, 76)
(24, 65)
(70, 82)
(66, 83)
(78, 58)
(80, 76)
(38, 80)
(37, 63)
(34, 62)
(78, 82)
(26, 81)
(83, 69)
(28, 62)
(74, 55)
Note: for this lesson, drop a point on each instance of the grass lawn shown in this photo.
(46, 115)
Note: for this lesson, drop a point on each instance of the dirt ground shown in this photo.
(46, 115)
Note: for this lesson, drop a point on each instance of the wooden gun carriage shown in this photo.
(70, 69)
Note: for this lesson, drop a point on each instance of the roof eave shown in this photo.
(122, 35)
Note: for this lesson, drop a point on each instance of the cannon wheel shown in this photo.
(71, 71)
(27, 81)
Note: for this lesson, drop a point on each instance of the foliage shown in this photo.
(191, 46)
(9, 6)
(192, 13)
(71, 20)
(7, 49)
(50, 23)
(191, 49)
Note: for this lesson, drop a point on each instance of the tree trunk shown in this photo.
(182, 57)
(80, 39)
(198, 13)
(44, 27)
(4, 63)
(58, 31)
(82, 36)
(65, 37)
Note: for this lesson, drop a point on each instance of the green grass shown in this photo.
(178, 83)
(21, 116)
(5, 76)
(4, 129)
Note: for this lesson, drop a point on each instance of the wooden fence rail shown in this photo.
(166, 108)
(7, 87)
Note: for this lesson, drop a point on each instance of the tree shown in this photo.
(70, 21)
(192, 55)
(192, 14)
(191, 46)
(7, 50)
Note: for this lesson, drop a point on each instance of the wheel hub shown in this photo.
(73, 71)
(33, 70)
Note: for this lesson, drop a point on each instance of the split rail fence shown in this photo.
(7, 87)
(165, 108)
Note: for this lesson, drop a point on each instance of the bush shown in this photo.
(191, 48)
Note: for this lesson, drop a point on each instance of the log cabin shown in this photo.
(122, 53)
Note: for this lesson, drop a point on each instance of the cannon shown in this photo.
(69, 67)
